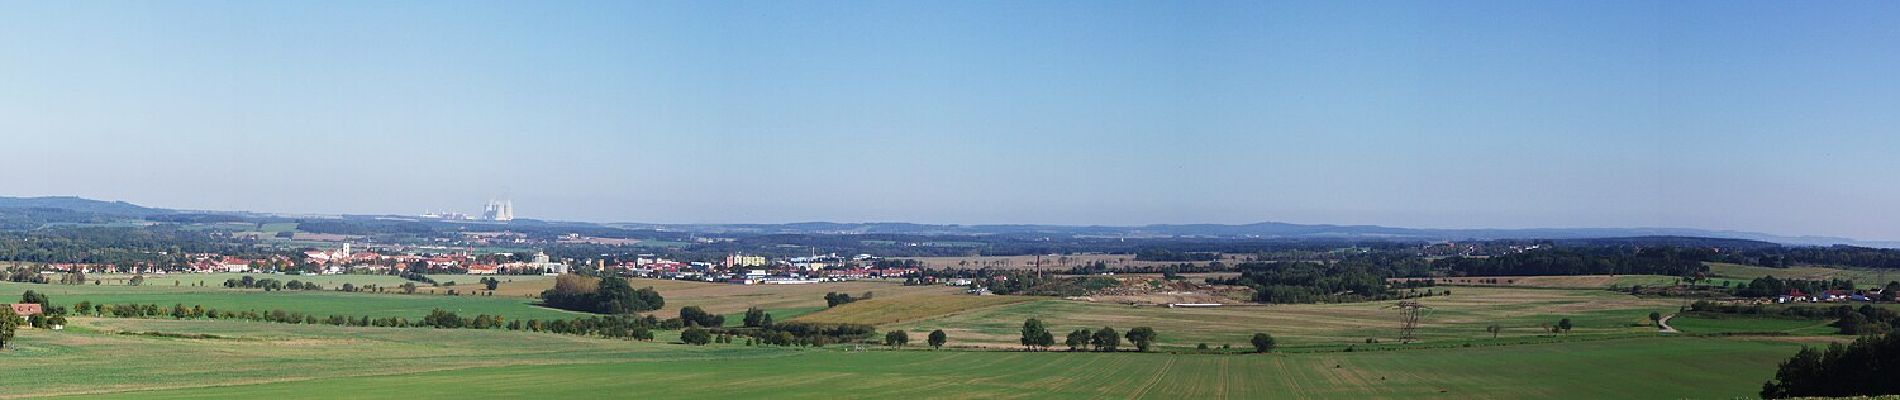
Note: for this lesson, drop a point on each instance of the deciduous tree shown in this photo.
(1262, 343)
(938, 338)
(896, 338)
(1142, 338)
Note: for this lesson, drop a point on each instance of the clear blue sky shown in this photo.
(1781, 117)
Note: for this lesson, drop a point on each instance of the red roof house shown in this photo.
(26, 309)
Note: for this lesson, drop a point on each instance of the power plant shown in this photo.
(499, 210)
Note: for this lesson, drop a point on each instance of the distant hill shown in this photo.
(1264, 230)
(31, 212)
(81, 205)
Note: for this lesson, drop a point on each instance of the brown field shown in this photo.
(883, 310)
(1530, 281)
(1863, 277)
(1574, 281)
(725, 298)
(1055, 263)
(1460, 316)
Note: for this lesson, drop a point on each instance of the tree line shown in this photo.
(1864, 368)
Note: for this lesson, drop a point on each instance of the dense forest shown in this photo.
(114, 246)
(1668, 261)
(1844, 256)
(1864, 368)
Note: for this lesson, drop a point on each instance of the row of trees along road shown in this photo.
(1036, 336)
(900, 338)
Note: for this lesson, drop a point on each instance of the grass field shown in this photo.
(1690, 323)
(1625, 369)
(217, 279)
(1611, 354)
(91, 356)
(321, 303)
(511, 298)
(1862, 278)
(464, 282)
(1462, 316)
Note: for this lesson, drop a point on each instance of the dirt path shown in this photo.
(1663, 325)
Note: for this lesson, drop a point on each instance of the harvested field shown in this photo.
(1460, 316)
(1656, 368)
(1056, 263)
(1567, 281)
(892, 310)
(1861, 277)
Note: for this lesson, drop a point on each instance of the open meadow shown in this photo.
(321, 362)
(316, 302)
(1462, 316)
(1612, 352)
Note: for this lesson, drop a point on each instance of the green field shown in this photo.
(1612, 352)
(1743, 324)
(1462, 316)
(319, 302)
(93, 356)
(1626, 369)
(217, 279)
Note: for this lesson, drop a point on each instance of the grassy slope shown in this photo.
(1630, 369)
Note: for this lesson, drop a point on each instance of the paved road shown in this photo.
(1664, 325)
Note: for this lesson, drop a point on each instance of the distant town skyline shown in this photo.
(1756, 116)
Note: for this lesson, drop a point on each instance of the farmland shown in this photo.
(725, 298)
(318, 302)
(1634, 368)
(1745, 324)
(512, 298)
(1464, 315)
(93, 355)
(1862, 278)
(463, 282)
(1055, 263)
(910, 308)
(1456, 358)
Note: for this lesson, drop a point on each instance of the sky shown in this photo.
(1776, 117)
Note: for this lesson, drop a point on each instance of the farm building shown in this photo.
(26, 310)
